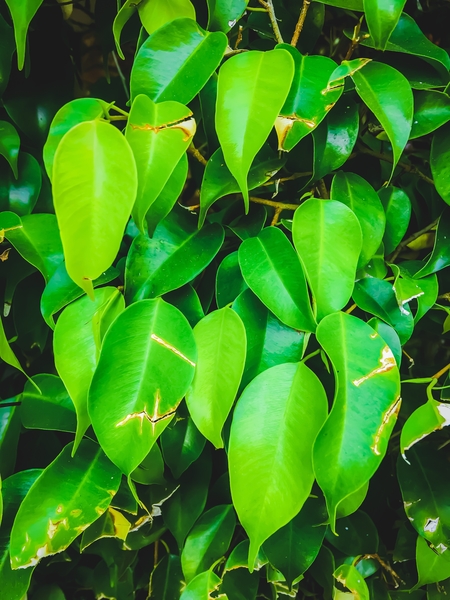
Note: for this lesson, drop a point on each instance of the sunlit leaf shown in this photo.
(382, 16)
(22, 13)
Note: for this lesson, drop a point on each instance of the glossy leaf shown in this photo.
(252, 88)
(157, 13)
(431, 111)
(9, 145)
(428, 286)
(351, 578)
(52, 409)
(270, 463)
(153, 345)
(356, 193)
(440, 153)
(272, 270)
(186, 299)
(229, 280)
(221, 341)
(71, 114)
(93, 197)
(112, 524)
(166, 579)
(328, 239)
(431, 567)
(356, 534)
(309, 99)
(397, 207)
(354, 439)
(6, 353)
(46, 524)
(351, 503)
(176, 61)
(426, 419)
(390, 336)
(159, 135)
(201, 586)
(382, 17)
(440, 256)
(182, 444)
(22, 13)
(76, 348)
(388, 95)
(377, 297)
(422, 478)
(158, 265)
(223, 14)
(20, 193)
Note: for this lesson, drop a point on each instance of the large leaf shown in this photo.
(51, 409)
(309, 98)
(431, 111)
(356, 193)
(328, 239)
(252, 88)
(22, 13)
(19, 193)
(158, 265)
(76, 347)
(94, 188)
(382, 16)
(388, 95)
(152, 344)
(208, 540)
(176, 61)
(159, 135)
(269, 342)
(272, 270)
(439, 161)
(354, 439)
(397, 207)
(274, 426)
(9, 145)
(221, 345)
(46, 523)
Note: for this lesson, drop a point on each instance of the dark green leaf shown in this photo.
(22, 13)
(382, 17)
(229, 280)
(397, 207)
(19, 192)
(9, 144)
(52, 409)
(431, 111)
(223, 14)
(182, 444)
(166, 581)
(439, 161)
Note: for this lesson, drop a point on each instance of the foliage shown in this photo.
(224, 232)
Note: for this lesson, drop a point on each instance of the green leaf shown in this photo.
(176, 61)
(397, 207)
(249, 225)
(377, 297)
(208, 540)
(356, 193)
(294, 547)
(152, 344)
(9, 437)
(229, 280)
(93, 197)
(431, 111)
(335, 137)
(223, 14)
(36, 238)
(76, 350)
(348, 4)
(374, 85)
(156, 13)
(431, 567)
(46, 524)
(428, 285)
(439, 162)
(7, 49)
(356, 534)
(6, 354)
(328, 239)
(309, 99)
(351, 503)
(9, 145)
(351, 578)
(201, 586)
(112, 524)
(269, 342)
(382, 17)
(426, 419)
(159, 135)
(52, 409)
(166, 579)
(440, 256)
(239, 584)
(71, 114)
(14, 584)
(182, 444)
(186, 299)
(21, 14)
(272, 270)
(158, 265)
(151, 469)
(354, 439)
(19, 193)
(221, 340)
(390, 336)
(219, 182)
(270, 463)
(252, 88)
(422, 478)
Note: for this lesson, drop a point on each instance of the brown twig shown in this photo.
(386, 566)
(389, 159)
(280, 205)
(322, 189)
(276, 216)
(290, 178)
(350, 309)
(196, 154)
(239, 37)
(355, 40)
(410, 239)
(300, 22)
(268, 5)
(441, 372)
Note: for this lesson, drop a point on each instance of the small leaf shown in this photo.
(272, 270)
(328, 239)
(93, 197)
(201, 586)
(356, 534)
(9, 145)
(252, 88)
(46, 524)
(428, 285)
(382, 17)
(22, 13)
(152, 344)
(112, 524)
(151, 469)
(397, 207)
(52, 409)
(431, 111)
(270, 462)
(390, 336)
(221, 345)
(6, 354)
(208, 540)
(431, 567)
(176, 61)
(426, 419)
(354, 439)
(352, 579)
(159, 135)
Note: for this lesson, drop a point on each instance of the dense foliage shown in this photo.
(224, 233)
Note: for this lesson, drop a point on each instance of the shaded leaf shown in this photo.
(22, 13)
(182, 444)
(397, 207)
(439, 162)
(52, 409)
(229, 280)
(166, 580)
(9, 145)
(201, 586)
(223, 14)
(19, 192)
(431, 111)
(426, 419)
(112, 524)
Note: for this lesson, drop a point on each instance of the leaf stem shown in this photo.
(119, 110)
(389, 159)
(268, 5)
(350, 309)
(441, 372)
(300, 22)
(355, 40)
(118, 118)
(410, 239)
(276, 216)
(280, 205)
(196, 154)
(322, 189)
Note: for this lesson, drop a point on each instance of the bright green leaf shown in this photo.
(382, 17)
(201, 586)
(156, 13)
(22, 12)
(351, 578)
(431, 567)
(429, 417)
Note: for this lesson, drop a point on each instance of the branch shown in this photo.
(268, 5)
(410, 239)
(300, 22)
(389, 159)
(196, 154)
(277, 205)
